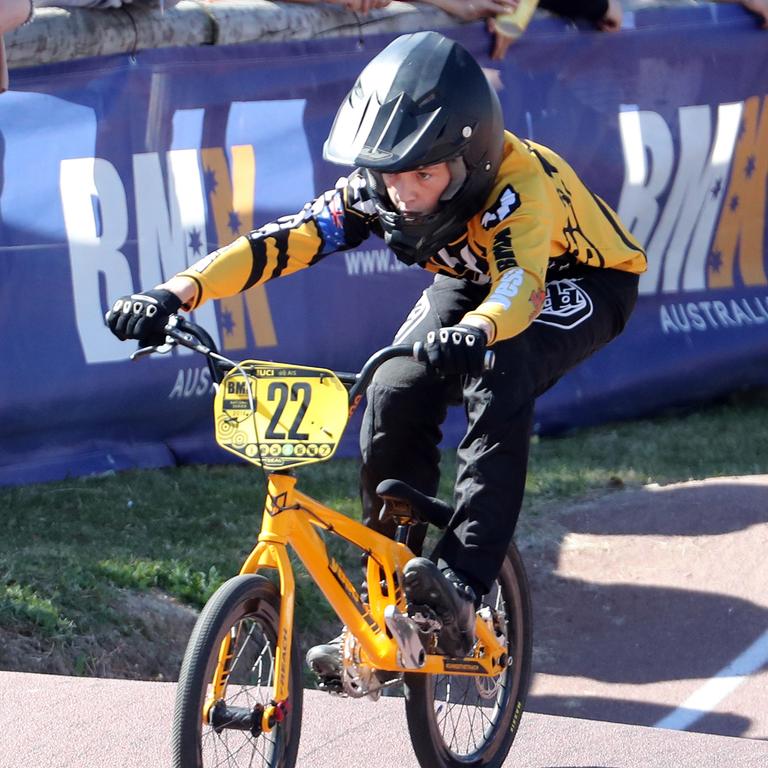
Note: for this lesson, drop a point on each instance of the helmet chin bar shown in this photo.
(405, 251)
(415, 238)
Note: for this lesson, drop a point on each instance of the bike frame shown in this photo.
(291, 518)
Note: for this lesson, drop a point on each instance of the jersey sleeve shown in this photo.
(518, 227)
(336, 221)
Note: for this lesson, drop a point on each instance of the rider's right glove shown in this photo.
(143, 316)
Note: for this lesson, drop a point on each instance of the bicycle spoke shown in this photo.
(472, 719)
(249, 681)
(223, 742)
(242, 647)
(469, 710)
(231, 755)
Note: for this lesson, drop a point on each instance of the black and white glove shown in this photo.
(459, 349)
(143, 316)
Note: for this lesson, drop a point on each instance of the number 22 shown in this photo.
(278, 390)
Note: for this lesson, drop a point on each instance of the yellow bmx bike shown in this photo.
(239, 696)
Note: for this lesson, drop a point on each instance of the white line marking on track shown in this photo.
(727, 680)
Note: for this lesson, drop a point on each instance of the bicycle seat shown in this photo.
(406, 505)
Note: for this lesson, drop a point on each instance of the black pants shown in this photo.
(585, 308)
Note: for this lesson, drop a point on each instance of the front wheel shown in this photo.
(242, 613)
(458, 721)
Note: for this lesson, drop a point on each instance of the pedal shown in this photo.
(331, 685)
(358, 678)
(406, 633)
(425, 618)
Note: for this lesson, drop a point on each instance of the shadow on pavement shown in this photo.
(625, 711)
(638, 634)
(647, 586)
(702, 509)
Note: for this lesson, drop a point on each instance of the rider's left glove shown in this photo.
(143, 316)
(456, 350)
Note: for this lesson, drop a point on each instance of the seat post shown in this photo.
(401, 514)
(401, 533)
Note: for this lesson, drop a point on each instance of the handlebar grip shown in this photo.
(489, 359)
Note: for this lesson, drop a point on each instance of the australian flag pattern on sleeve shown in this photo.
(337, 220)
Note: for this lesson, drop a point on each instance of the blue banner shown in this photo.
(117, 172)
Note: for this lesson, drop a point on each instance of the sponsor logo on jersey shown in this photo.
(507, 288)
(536, 300)
(507, 203)
(566, 305)
(503, 251)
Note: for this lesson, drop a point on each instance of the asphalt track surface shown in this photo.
(83, 723)
(651, 651)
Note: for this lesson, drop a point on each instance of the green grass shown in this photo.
(729, 439)
(70, 547)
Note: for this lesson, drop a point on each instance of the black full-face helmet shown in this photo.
(422, 100)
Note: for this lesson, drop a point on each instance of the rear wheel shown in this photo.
(244, 611)
(457, 721)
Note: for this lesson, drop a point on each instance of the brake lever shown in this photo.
(160, 349)
(186, 339)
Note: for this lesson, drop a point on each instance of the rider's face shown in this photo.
(418, 191)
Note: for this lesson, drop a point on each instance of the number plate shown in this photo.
(279, 416)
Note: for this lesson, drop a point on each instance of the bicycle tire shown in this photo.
(443, 727)
(247, 606)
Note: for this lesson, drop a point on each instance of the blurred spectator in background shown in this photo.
(103, 4)
(13, 13)
(758, 7)
(604, 14)
(471, 10)
(358, 6)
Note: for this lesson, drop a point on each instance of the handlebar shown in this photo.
(187, 334)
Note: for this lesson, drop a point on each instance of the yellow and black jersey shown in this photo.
(538, 213)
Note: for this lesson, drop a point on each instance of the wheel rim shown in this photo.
(249, 683)
(469, 711)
